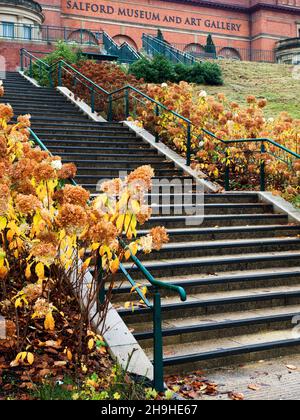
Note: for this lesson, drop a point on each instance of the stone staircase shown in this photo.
(240, 267)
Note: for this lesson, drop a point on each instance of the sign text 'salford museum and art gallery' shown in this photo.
(241, 29)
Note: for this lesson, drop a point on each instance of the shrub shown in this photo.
(228, 121)
(63, 51)
(51, 234)
(160, 70)
(212, 73)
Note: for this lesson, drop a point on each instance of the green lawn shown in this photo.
(275, 82)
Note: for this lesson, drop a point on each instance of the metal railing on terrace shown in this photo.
(229, 53)
(48, 34)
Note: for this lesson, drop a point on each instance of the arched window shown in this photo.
(83, 36)
(229, 53)
(120, 39)
(194, 48)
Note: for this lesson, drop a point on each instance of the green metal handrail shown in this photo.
(156, 306)
(263, 141)
(95, 89)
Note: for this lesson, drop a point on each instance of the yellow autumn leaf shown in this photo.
(69, 355)
(127, 255)
(40, 270)
(30, 358)
(135, 205)
(49, 323)
(86, 264)
(28, 272)
(3, 223)
(120, 222)
(114, 265)
(91, 344)
(127, 305)
(10, 235)
(134, 248)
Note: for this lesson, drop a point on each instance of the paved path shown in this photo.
(274, 379)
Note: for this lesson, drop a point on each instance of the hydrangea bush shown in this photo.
(52, 233)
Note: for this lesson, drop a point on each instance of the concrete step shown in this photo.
(118, 159)
(71, 128)
(93, 166)
(224, 247)
(232, 232)
(217, 282)
(206, 304)
(118, 143)
(223, 263)
(217, 326)
(124, 135)
(227, 351)
(208, 209)
(217, 220)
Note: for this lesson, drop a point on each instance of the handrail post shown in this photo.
(157, 116)
(262, 169)
(127, 110)
(158, 343)
(110, 109)
(30, 68)
(227, 171)
(22, 59)
(93, 100)
(188, 145)
(59, 74)
(50, 78)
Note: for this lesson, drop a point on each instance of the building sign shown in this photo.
(138, 14)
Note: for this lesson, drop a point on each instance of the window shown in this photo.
(27, 32)
(8, 29)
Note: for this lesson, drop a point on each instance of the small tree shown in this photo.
(210, 47)
(160, 35)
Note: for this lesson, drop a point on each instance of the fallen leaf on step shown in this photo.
(254, 387)
(291, 367)
(236, 396)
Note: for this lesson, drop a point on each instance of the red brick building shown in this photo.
(244, 29)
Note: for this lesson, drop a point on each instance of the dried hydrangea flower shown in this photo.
(72, 218)
(160, 237)
(75, 195)
(27, 204)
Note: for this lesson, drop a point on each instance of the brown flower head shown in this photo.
(25, 187)
(142, 177)
(44, 252)
(4, 198)
(44, 172)
(42, 307)
(112, 188)
(144, 215)
(103, 232)
(27, 204)
(75, 195)
(33, 292)
(6, 112)
(72, 218)
(251, 99)
(23, 170)
(24, 120)
(3, 147)
(160, 237)
(262, 103)
(67, 171)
